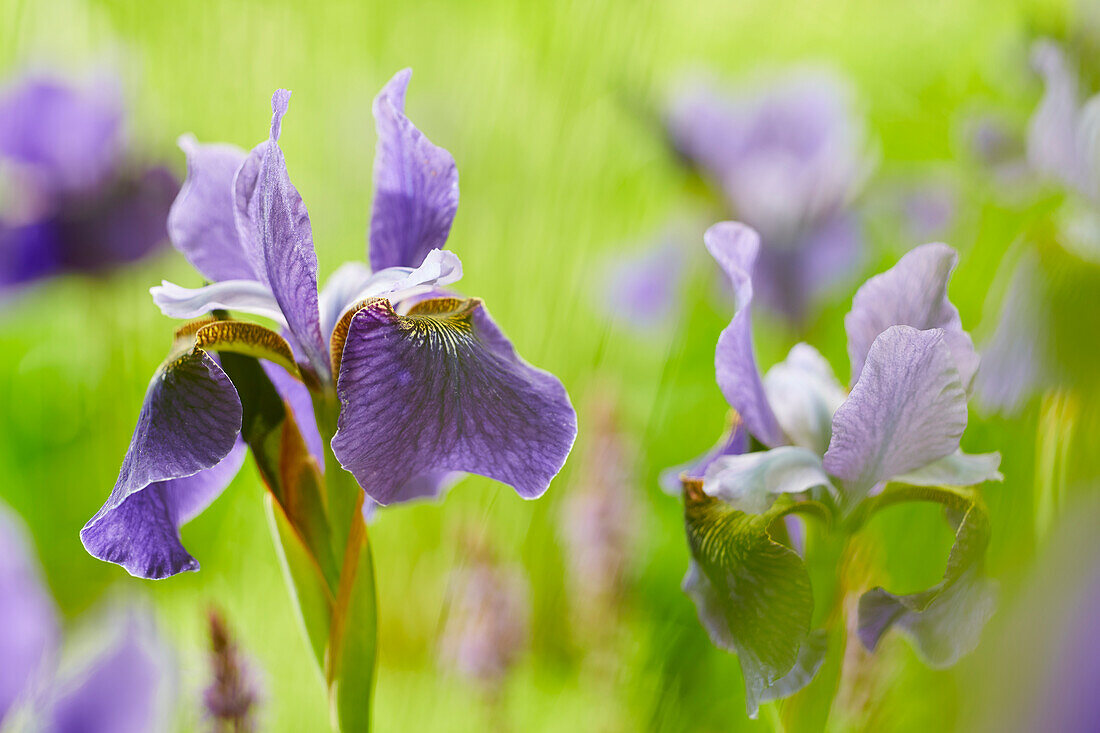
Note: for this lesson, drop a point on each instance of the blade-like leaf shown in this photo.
(753, 594)
(946, 620)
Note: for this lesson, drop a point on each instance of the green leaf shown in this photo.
(310, 593)
(353, 638)
(752, 593)
(945, 621)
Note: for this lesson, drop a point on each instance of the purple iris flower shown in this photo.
(78, 203)
(118, 691)
(426, 386)
(788, 160)
(912, 365)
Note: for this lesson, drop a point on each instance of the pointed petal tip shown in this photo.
(280, 101)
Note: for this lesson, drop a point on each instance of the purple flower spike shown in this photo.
(415, 185)
(735, 246)
(201, 223)
(274, 228)
(180, 458)
(442, 389)
(28, 618)
(907, 409)
(911, 293)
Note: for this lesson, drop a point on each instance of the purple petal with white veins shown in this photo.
(28, 617)
(274, 228)
(189, 423)
(201, 223)
(442, 389)
(69, 137)
(734, 246)
(907, 409)
(911, 293)
(415, 185)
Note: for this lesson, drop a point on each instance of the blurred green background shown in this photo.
(548, 109)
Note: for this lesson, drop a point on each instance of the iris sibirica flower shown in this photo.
(77, 200)
(803, 445)
(788, 160)
(386, 382)
(115, 692)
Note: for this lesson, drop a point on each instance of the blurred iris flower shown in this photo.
(789, 161)
(1056, 273)
(78, 201)
(116, 692)
(841, 458)
(425, 387)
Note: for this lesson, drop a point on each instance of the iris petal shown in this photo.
(201, 224)
(751, 482)
(735, 246)
(804, 394)
(907, 410)
(245, 296)
(911, 293)
(415, 185)
(189, 423)
(442, 389)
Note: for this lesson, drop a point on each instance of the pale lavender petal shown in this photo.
(907, 410)
(120, 691)
(339, 292)
(201, 223)
(804, 394)
(415, 185)
(274, 228)
(442, 389)
(957, 469)
(911, 293)
(752, 481)
(28, 617)
(70, 137)
(1052, 149)
(734, 246)
(734, 442)
(189, 422)
(296, 394)
(246, 296)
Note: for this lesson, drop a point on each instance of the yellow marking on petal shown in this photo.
(340, 332)
(250, 339)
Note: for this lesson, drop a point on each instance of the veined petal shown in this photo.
(201, 224)
(28, 617)
(735, 246)
(907, 410)
(911, 293)
(442, 389)
(245, 296)
(751, 481)
(415, 185)
(354, 282)
(274, 228)
(957, 469)
(189, 423)
(804, 394)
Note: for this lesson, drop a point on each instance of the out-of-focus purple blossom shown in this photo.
(789, 159)
(599, 518)
(487, 624)
(81, 203)
(423, 390)
(929, 210)
(643, 288)
(121, 689)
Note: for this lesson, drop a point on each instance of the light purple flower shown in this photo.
(426, 387)
(79, 203)
(120, 690)
(789, 160)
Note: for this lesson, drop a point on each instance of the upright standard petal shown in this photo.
(734, 246)
(907, 410)
(28, 617)
(442, 389)
(415, 185)
(201, 223)
(804, 394)
(189, 423)
(911, 293)
(274, 227)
